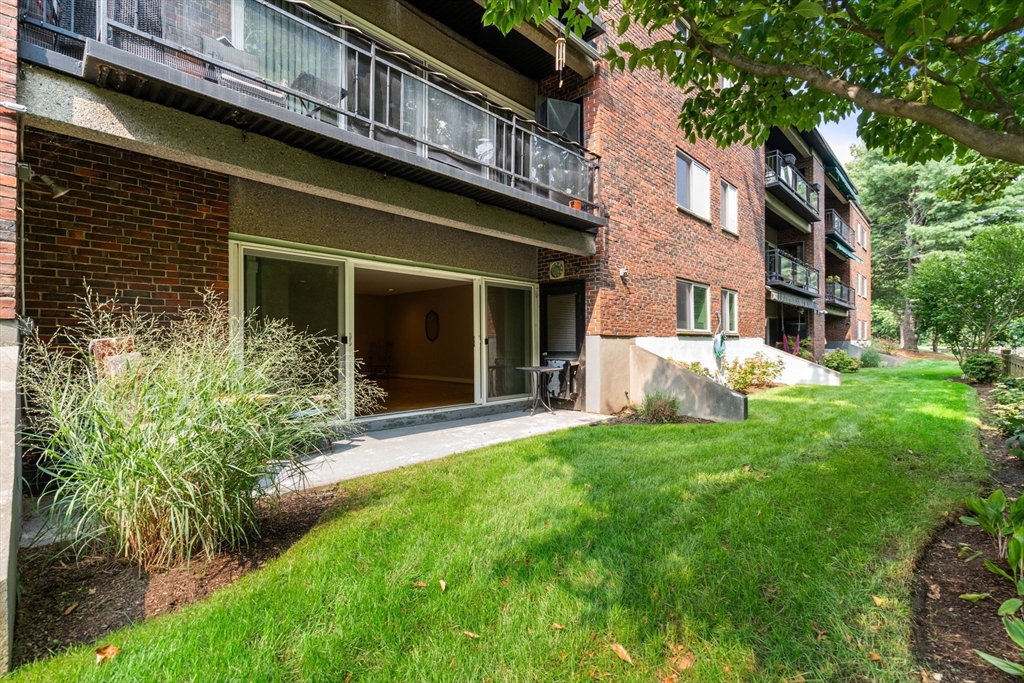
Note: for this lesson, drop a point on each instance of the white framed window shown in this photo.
(862, 286)
(729, 208)
(863, 333)
(692, 191)
(692, 307)
(725, 82)
(730, 311)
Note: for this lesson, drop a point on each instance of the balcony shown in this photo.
(838, 294)
(789, 186)
(783, 270)
(837, 228)
(274, 68)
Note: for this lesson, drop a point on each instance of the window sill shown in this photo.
(731, 233)
(693, 214)
(693, 333)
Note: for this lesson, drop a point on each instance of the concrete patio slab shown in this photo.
(390, 449)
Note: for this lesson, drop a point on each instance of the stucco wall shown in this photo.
(274, 212)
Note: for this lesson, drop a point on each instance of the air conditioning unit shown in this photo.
(562, 117)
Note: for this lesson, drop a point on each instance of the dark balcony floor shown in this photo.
(115, 69)
(773, 280)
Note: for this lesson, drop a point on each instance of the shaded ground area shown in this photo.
(66, 603)
(950, 629)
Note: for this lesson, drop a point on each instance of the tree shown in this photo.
(913, 214)
(930, 78)
(972, 297)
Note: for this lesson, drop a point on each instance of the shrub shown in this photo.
(869, 358)
(658, 407)
(694, 367)
(840, 361)
(885, 345)
(171, 455)
(1008, 397)
(983, 368)
(756, 371)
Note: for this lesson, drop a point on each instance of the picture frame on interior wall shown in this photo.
(432, 325)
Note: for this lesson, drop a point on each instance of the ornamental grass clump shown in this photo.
(166, 449)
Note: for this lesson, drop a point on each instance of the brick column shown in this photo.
(10, 456)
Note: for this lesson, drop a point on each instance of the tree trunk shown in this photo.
(935, 343)
(908, 329)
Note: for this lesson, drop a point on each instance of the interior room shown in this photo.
(414, 336)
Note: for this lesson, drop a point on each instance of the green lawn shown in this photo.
(643, 536)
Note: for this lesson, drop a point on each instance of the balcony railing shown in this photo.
(838, 293)
(280, 53)
(838, 228)
(779, 171)
(783, 269)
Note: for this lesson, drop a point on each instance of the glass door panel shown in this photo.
(307, 294)
(508, 340)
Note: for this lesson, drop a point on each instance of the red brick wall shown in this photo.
(8, 159)
(150, 229)
(863, 311)
(631, 120)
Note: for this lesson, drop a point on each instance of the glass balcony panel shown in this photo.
(557, 167)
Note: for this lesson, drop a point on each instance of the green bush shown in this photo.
(658, 407)
(1008, 397)
(756, 371)
(869, 358)
(840, 361)
(983, 368)
(171, 454)
(694, 367)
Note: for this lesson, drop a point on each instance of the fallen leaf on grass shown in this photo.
(746, 468)
(683, 661)
(106, 652)
(874, 656)
(471, 634)
(934, 591)
(621, 653)
(419, 584)
(878, 601)
(588, 486)
(975, 597)
(556, 626)
(70, 609)
(443, 585)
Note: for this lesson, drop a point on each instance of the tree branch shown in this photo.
(965, 42)
(988, 142)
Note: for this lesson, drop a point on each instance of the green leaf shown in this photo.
(811, 10)
(975, 597)
(1002, 664)
(1015, 629)
(997, 570)
(969, 521)
(1010, 607)
(948, 18)
(946, 96)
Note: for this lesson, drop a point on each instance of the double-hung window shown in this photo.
(729, 208)
(692, 312)
(692, 192)
(730, 311)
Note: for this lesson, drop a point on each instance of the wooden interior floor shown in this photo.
(417, 394)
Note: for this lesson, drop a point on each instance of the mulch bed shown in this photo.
(65, 603)
(950, 629)
(628, 416)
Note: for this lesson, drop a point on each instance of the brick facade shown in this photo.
(149, 229)
(632, 121)
(8, 161)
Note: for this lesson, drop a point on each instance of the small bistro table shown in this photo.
(540, 387)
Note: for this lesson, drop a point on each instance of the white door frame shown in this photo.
(238, 248)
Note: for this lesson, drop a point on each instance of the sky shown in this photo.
(840, 136)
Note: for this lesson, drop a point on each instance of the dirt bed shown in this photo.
(65, 603)
(950, 629)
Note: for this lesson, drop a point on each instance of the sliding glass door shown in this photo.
(508, 339)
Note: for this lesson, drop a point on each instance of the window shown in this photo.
(725, 82)
(729, 208)
(692, 191)
(691, 306)
(863, 333)
(862, 285)
(730, 311)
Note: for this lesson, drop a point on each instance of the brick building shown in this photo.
(428, 191)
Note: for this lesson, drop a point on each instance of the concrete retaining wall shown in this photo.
(854, 350)
(698, 396)
(797, 370)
